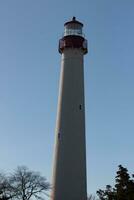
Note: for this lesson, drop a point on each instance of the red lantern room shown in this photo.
(73, 36)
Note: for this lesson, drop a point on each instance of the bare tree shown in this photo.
(91, 197)
(4, 185)
(24, 184)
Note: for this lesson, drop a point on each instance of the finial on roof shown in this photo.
(74, 18)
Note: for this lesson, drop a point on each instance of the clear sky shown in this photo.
(29, 78)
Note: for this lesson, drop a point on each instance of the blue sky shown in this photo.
(29, 78)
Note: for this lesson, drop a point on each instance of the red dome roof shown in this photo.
(73, 21)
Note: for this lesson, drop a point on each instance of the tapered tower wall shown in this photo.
(69, 170)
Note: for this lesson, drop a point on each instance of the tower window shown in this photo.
(80, 107)
(59, 135)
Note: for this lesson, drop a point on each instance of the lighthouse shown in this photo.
(69, 168)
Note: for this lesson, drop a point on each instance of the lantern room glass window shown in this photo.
(70, 31)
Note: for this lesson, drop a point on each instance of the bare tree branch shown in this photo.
(23, 184)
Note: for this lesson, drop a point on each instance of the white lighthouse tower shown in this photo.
(69, 170)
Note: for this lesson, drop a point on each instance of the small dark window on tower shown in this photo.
(80, 107)
(59, 135)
